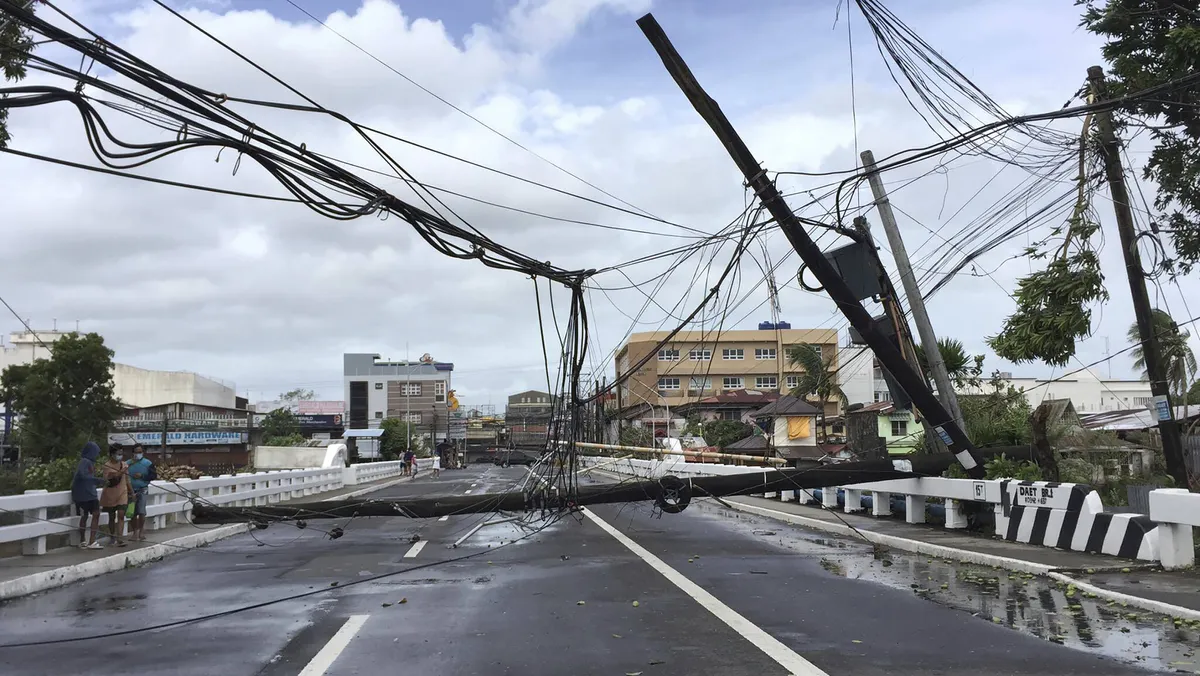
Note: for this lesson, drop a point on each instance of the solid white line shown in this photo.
(785, 656)
(415, 549)
(444, 518)
(321, 662)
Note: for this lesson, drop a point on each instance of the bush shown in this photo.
(1001, 467)
(55, 475)
(177, 472)
(1078, 471)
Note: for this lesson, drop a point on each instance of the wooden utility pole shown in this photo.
(1160, 387)
(764, 188)
(933, 356)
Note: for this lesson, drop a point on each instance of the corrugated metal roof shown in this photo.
(787, 405)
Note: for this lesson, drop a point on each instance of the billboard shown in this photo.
(321, 408)
(178, 438)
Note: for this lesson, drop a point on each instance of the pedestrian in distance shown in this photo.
(141, 473)
(116, 494)
(83, 493)
(437, 465)
(410, 465)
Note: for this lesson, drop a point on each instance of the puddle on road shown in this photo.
(1051, 611)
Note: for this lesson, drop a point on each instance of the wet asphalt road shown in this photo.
(560, 599)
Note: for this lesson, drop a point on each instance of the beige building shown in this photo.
(697, 364)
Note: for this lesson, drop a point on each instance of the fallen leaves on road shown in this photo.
(636, 604)
(403, 600)
(633, 673)
(580, 603)
(386, 605)
(854, 640)
(616, 636)
(653, 662)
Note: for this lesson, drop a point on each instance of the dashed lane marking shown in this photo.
(444, 518)
(785, 656)
(467, 492)
(415, 549)
(321, 662)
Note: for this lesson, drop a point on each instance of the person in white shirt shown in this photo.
(437, 464)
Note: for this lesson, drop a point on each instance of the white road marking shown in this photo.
(467, 492)
(785, 656)
(444, 518)
(321, 662)
(415, 549)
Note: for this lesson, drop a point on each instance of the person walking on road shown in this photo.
(83, 493)
(410, 463)
(141, 473)
(117, 493)
(437, 465)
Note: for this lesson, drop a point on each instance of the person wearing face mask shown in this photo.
(141, 473)
(116, 494)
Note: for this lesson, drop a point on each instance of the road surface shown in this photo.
(617, 591)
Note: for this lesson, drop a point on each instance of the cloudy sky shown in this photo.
(269, 295)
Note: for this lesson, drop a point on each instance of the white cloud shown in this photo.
(270, 294)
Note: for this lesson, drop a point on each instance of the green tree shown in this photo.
(819, 378)
(298, 394)
(1193, 395)
(1150, 43)
(15, 44)
(396, 438)
(636, 436)
(721, 433)
(1178, 359)
(65, 400)
(999, 416)
(280, 428)
(964, 370)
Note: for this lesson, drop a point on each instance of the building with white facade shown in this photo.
(414, 391)
(133, 386)
(856, 374)
(1086, 390)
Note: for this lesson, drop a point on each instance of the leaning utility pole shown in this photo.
(764, 188)
(1168, 428)
(933, 356)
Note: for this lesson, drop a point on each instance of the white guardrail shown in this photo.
(168, 503)
(1060, 515)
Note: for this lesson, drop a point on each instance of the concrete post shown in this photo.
(1175, 547)
(955, 518)
(853, 499)
(829, 497)
(787, 496)
(37, 546)
(881, 503)
(914, 508)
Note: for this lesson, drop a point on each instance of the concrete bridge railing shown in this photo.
(1060, 515)
(169, 503)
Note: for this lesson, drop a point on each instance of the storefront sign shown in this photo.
(178, 438)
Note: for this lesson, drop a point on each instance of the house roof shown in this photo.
(1135, 419)
(755, 443)
(787, 405)
(738, 398)
(874, 407)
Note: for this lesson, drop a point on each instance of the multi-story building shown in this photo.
(698, 364)
(1087, 391)
(413, 391)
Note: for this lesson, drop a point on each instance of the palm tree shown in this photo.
(819, 377)
(962, 368)
(1178, 359)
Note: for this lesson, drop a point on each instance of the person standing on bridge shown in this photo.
(410, 463)
(437, 464)
(83, 494)
(117, 493)
(141, 473)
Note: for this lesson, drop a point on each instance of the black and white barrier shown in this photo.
(1072, 517)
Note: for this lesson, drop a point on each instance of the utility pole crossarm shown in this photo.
(764, 188)
(912, 290)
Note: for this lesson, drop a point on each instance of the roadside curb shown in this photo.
(1160, 607)
(30, 584)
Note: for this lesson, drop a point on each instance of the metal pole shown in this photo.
(764, 188)
(933, 356)
(407, 403)
(1156, 371)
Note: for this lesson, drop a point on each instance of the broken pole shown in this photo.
(764, 188)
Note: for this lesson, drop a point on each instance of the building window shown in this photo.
(733, 354)
(899, 428)
(792, 382)
(700, 355)
(732, 383)
(730, 415)
(699, 384)
(817, 349)
(764, 353)
(1143, 401)
(882, 396)
(410, 389)
(379, 386)
(414, 418)
(379, 415)
(439, 391)
(766, 382)
(668, 354)
(668, 383)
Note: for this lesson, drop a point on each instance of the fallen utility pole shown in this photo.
(764, 188)
(1168, 427)
(670, 493)
(929, 344)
